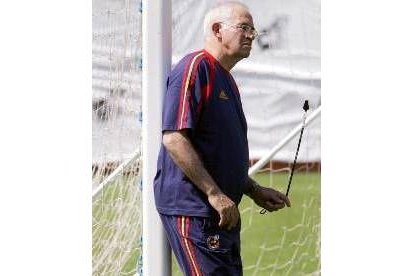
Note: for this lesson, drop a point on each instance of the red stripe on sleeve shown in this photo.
(207, 89)
(185, 93)
(180, 107)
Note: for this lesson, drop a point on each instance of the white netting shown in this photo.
(283, 70)
(116, 99)
(285, 242)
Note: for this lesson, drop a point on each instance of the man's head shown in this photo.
(229, 29)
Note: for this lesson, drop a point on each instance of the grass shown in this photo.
(286, 242)
(116, 229)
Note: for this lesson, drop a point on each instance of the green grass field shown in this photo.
(286, 242)
(116, 229)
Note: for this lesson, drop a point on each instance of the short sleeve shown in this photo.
(186, 87)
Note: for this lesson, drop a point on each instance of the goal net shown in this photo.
(116, 99)
(286, 242)
(282, 71)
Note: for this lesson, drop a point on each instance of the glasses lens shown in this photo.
(249, 30)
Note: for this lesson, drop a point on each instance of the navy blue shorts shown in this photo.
(201, 248)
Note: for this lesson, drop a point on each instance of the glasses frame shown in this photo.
(245, 28)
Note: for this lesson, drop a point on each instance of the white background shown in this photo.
(367, 184)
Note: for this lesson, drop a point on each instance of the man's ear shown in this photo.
(216, 30)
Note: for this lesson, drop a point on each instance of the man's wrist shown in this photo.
(213, 190)
(252, 189)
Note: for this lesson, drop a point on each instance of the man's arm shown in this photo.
(267, 198)
(185, 156)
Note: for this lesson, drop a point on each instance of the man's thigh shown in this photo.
(201, 248)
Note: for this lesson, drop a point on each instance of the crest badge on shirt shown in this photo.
(223, 95)
(213, 242)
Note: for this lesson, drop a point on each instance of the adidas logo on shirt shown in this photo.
(223, 95)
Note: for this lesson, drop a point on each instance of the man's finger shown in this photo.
(235, 218)
(222, 221)
(272, 206)
(281, 198)
(277, 200)
(228, 219)
(225, 220)
(286, 200)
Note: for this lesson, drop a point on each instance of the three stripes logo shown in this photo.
(223, 95)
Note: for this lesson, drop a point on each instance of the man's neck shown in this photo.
(227, 62)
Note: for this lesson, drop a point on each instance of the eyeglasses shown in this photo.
(246, 29)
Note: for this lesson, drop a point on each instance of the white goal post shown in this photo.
(156, 255)
(267, 157)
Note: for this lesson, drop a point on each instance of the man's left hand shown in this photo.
(269, 199)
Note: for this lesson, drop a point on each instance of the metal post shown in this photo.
(156, 66)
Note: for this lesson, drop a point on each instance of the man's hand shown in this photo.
(269, 199)
(185, 156)
(226, 208)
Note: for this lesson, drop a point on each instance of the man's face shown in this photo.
(238, 34)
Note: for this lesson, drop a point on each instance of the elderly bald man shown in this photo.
(203, 162)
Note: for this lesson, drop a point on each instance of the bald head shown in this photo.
(229, 33)
(221, 13)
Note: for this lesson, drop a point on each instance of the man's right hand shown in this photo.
(226, 208)
(186, 157)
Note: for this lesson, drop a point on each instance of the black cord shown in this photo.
(305, 108)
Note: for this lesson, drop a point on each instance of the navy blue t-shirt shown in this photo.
(203, 98)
